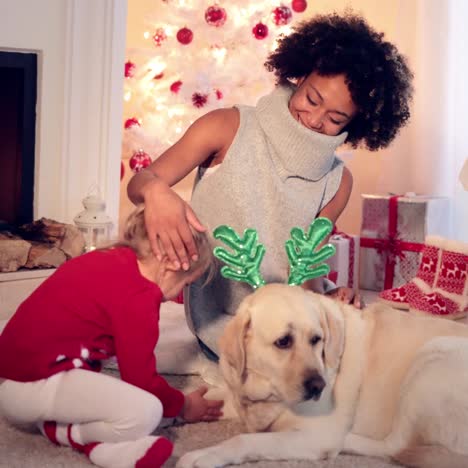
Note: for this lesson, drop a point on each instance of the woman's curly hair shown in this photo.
(377, 75)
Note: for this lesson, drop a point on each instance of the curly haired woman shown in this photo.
(273, 166)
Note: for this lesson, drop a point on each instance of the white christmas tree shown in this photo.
(201, 55)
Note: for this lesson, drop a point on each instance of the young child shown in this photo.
(273, 166)
(95, 306)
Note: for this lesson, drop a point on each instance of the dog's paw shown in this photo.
(203, 458)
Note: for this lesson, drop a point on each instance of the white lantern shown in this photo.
(93, 222)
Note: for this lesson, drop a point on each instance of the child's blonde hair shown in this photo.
(135, 236)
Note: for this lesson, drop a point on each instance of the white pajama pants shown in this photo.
(104, 408)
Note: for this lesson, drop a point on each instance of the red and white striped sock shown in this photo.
(56, 433)
(61, 434)
(147, 452)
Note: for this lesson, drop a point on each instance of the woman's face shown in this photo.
(323, 103)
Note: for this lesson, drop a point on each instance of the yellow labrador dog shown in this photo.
(312, 377)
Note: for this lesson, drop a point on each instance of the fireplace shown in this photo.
(18, 90)
(73, 139)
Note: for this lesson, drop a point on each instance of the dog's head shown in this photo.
(281, 346)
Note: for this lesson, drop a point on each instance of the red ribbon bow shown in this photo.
(392, 245)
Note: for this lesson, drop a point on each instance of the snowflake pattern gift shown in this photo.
(393, 230)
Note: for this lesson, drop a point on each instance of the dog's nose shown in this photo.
(313, 387)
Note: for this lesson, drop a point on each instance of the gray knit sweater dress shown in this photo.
(276, 175)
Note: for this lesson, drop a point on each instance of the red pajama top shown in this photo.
(92, 307)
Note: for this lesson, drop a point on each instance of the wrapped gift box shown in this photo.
(344, 265)
(393, 231)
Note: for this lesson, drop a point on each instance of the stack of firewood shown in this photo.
(41, 244)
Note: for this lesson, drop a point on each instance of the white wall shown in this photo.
(81, 52)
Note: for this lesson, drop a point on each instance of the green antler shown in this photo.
(244, 263)
(302, 255)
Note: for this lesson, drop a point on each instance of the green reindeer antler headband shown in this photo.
(243, 263)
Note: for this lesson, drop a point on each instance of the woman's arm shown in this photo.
(168, 218)
(204, 138)
(332, 211)
(337, 204)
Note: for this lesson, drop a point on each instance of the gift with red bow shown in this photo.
(344, 265)
(393, 230)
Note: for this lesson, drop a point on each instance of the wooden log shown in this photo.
(45, 243)
(43, 230)
(73, 241)
(13, 254)
(64, 236)
(43, 255)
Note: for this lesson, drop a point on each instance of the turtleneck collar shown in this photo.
(299, 151)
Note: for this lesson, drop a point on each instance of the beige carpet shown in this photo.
(19, 449)
(176, 352)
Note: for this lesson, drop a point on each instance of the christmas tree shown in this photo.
(201, 55)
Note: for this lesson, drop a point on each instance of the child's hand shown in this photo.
(198, 408)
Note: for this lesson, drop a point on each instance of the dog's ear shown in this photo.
(332, 322)
(232, 345)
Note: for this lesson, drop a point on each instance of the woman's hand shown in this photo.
(348, 296)
(168, 219)
(198, 408)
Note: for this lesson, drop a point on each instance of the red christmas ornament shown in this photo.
(199, 99)
(299, 5)
(184, 36)
(159, 37)
(219, 94)
(122, 170)
(131, 122)
(175, 87)
(215, 16)
(129, 69)
(139, 161)
(260, 31)
(282, 15)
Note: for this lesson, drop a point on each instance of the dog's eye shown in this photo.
(284, 342)
(315, 339)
